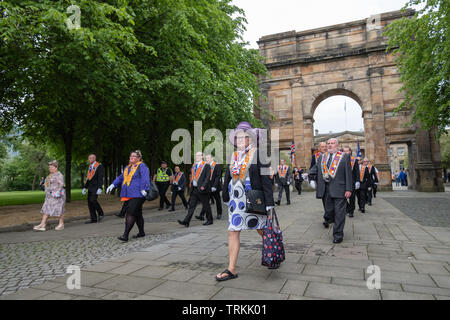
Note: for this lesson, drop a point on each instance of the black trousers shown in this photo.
(336, 209)
(216, 196)
(351, 204)
(134, 215)
(181, 195)
(298, 186)
(94, 206)
(162, 187)
(194, 199)
(362, 198)
(286, 190)
(375, 187)
(369, 196)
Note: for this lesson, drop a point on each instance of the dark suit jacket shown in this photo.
(341, 183)
(286, 179)
(204, 179)
(373, 175)
(97, 180)
(367, 179)
(216, 179)
(257, 182)
(181, 183)
(355, 173)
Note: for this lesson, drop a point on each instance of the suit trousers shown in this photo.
(351, 204)
(369, 196)
(216, 196)
(336, 208)
(286, 190)
(162, 187)
(194, 199)
(181, 195)
(362, 198)
(94, 206)
(298, 186)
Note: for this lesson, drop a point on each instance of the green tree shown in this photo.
(422, 48)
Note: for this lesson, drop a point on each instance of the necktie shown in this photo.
(329, 161)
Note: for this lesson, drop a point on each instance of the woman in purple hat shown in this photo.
(243, 174)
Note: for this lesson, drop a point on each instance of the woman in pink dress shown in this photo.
(55, 198)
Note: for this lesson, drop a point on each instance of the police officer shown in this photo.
(163, 179)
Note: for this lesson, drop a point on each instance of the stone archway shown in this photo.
(347, 59)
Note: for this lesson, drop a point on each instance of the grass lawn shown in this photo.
(30, 197)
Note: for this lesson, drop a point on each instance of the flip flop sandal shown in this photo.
(230, 276)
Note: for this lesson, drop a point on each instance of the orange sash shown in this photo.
(212, 168)
(282, 173)
(91, 173)
(361, 172)
(129, 172)
(352, 161)
(243, 168)
(195, 174)
(178, 177)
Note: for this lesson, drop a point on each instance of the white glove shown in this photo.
(289, 183)
(99, 191)
(83, 192)
(376, 183)
(213, 189)
(143, 192)
(369, 189)
(312, 183)
(357, 185)
(304, 176)
(179, 188)
(268, 208)
(110, 188)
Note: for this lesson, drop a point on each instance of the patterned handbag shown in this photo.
(273, 248)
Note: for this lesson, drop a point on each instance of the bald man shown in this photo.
(335, 185)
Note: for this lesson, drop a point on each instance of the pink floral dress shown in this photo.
(55, 195)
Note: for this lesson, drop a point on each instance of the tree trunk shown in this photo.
(68, 139)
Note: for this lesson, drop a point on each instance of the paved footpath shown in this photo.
(173, 262)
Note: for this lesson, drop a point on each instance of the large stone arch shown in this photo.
(347, 59)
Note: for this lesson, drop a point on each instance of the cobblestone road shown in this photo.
(26, 264)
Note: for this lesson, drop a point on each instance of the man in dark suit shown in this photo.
(93, 186)
(374, 175)
(355, 174)
(365, 180)
(283, 178)
(216, 186)
(178, 188)
(334, 183)
(200, 188)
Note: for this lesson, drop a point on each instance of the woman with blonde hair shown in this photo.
(55, 198)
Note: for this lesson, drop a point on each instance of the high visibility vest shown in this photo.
(162, 176)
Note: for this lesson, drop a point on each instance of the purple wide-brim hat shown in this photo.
(256, 134)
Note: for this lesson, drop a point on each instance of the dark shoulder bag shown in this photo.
(255, 202)
(153, 192)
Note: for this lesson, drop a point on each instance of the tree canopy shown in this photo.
(133, 72)
(422, 48)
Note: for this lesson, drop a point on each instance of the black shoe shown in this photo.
(326, 224)
(288, 203)
(100, 218)
(207, 223)
(277, 202)
(200, 218)
(119, 215)
(350, 215)
(122, 238)
(219, 216)
(91, 221)
(370, 204)
(363, 211)
(171, 210)
(337, 240)
(139, 235)
(159, 209)
(183, 223)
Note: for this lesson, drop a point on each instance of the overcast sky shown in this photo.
(267, 17)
